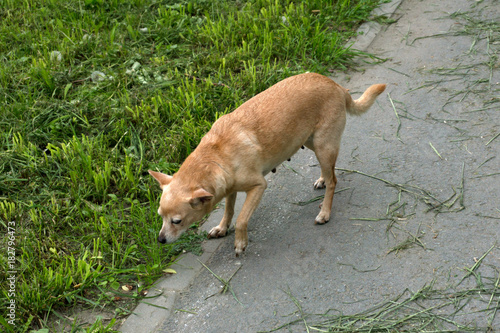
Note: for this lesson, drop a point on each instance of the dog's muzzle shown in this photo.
(162, 239)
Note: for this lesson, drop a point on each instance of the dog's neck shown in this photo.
(218, 180)
(207, 173)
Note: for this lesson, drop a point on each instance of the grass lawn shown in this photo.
(93, 93)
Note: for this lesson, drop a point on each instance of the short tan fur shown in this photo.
(246, 144)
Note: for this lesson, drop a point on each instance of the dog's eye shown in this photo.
(176, 221)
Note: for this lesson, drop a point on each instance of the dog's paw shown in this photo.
(217, 232)
(322, 218)
(319, 184)
(239, 247)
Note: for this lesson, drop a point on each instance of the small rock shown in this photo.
(55, 56)
(97, 76)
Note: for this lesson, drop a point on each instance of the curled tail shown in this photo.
(362, 104)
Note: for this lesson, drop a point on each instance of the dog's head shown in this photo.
(180, 206)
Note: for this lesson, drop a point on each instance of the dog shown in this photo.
(244, 145)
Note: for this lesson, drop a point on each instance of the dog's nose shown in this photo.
(162, 240)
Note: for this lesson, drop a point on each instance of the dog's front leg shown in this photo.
(251, 202)
(221, 229)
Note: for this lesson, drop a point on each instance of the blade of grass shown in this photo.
(319, 197)
(397, 117)
(435, 150)
(476, 265)
(226, 284)
(493, 138)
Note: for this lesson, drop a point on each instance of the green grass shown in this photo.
(93, 93)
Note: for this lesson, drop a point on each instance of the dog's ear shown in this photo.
(161, 178)
(200, 197)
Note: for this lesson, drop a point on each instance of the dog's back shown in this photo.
(243, 146)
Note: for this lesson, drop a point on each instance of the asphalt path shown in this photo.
(417, 209)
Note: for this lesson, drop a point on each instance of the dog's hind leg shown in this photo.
(221, 229)
(327, 159)
(326, 144)
(320, 182)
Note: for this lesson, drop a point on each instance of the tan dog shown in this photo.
(243, 146)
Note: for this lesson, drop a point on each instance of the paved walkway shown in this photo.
(417, 207)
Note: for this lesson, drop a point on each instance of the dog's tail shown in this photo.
(362, 104)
